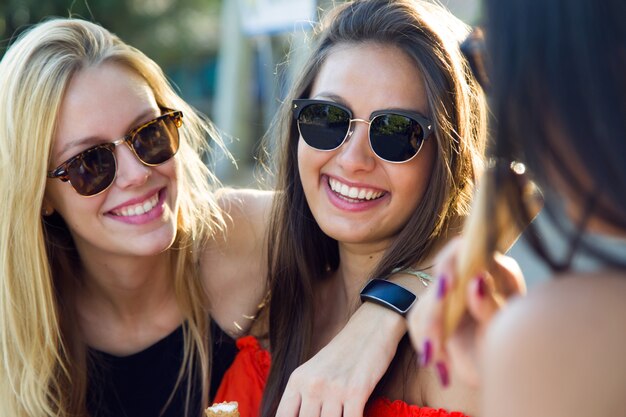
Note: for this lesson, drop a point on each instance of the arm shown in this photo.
(339, 379)
(233, 265)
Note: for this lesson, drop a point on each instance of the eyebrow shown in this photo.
(95, 139)
(330, 96)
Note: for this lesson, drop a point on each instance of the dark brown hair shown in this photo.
(558, 96)
(299, 252)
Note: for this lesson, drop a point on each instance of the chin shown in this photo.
(154, 243)
(348, 234)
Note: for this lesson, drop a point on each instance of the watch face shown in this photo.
(389, 294)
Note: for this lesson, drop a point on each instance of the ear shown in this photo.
(46, 208)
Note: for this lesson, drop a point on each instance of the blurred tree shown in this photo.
(180, 35)
(172, 32)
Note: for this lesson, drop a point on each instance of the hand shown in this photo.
(461, 352)
(340, 378)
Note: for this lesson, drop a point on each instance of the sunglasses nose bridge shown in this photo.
(128, 141)
(351, 125)
(123, 139)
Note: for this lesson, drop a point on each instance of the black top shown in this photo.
(138, 385)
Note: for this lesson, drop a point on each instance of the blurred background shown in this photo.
(231, 59)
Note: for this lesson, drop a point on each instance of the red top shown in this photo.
(245, 380)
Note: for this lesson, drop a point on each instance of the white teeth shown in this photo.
(138, 209)
(354, 193)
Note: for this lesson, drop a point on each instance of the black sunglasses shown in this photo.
(394, 135)
(93, 170)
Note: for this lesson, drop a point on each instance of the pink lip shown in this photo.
(155, 213)
(341, 203)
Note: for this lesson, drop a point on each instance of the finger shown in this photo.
(311, 407)
(289, 405)
(446, 259)
(332, 409)
(422, 322)
(432, 350)
(508, 274)
(482, 299)
(353, 408)
(436, 325)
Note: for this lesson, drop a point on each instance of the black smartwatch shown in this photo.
(388, 294)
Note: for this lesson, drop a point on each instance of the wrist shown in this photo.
(384, 324)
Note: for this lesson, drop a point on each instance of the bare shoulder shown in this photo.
(233, 265)
(246, 213)
(245, 207)
(560, 350)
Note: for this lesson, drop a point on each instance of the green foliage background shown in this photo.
(180, 35)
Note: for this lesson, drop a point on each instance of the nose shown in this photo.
(355, 154)
(130, 170)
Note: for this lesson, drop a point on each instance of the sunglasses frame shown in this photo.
(298, 105)
(61, 173)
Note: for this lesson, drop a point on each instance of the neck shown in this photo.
(357, 262)
(337, 296)
(127, 288)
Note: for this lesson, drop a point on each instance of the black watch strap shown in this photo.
(388, 294)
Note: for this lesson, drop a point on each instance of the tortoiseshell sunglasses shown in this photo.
(93, 170)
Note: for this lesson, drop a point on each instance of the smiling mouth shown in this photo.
(138, 209)
(354, 194)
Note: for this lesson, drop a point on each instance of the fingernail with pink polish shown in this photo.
(427, 351)
(441, 289)
(443, 373)
(481, 288)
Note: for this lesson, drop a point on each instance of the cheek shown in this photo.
(307, 164)
(172, 169)
(414, 179)
(75, 210)
(65, 200)
(310, 163)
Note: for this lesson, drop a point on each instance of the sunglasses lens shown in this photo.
(156, 142)
(395, 138)
(93, 171)
(323, 126)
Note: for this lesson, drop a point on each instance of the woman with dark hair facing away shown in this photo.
(381, 140)
(556, 70)
(116, 250)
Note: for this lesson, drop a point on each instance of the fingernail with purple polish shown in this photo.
(443, 373)
(441, 290)
(481, 288)
(427, 351)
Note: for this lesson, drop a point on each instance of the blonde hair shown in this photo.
(43, 365)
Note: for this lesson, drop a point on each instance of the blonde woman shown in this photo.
(114, 250)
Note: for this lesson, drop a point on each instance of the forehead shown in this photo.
(372, 76)
(100, 101)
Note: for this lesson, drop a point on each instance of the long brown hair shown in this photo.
(299, 252)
